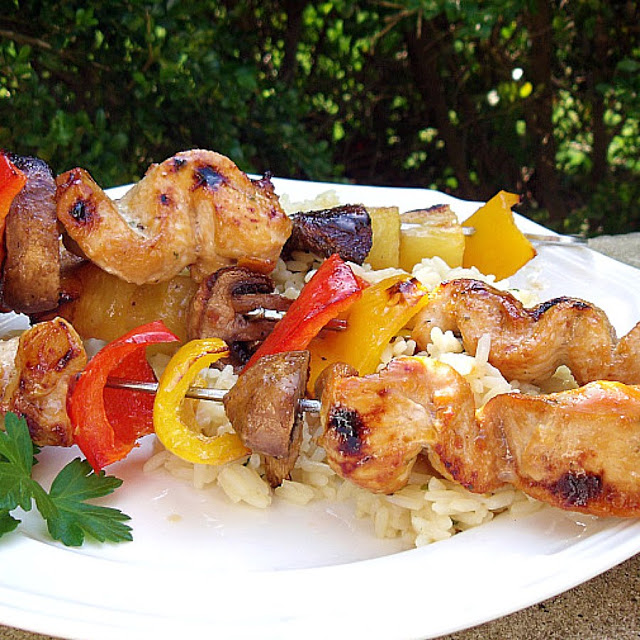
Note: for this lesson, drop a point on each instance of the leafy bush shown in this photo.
(534, 97)
(115, 86)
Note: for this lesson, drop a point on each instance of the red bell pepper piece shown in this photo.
(107, 422)
(130, 413)
(12, 180)
(331, 290)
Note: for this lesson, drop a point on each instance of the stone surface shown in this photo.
(605, 608)
(625, 248)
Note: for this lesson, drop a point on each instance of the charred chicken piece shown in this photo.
(263, 407)
(530, 344)
(195, 209)
(345, 230)
(218, 307)
(577, 450)
(375, 426)
(31, 274)
(35, 384)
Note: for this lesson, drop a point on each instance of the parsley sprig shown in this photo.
(69, 517)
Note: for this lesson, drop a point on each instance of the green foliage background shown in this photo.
(536, 97)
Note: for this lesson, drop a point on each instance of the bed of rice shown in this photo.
(429, 508)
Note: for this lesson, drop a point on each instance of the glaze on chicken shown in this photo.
(577, 450)
(37, 369)
(196, 210)
(375, 426)
(530, 344)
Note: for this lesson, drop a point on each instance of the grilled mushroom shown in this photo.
(263, 407)
(218, 307)
(345, 230)
(31, 279)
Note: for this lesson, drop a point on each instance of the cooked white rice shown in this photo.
(429, 508)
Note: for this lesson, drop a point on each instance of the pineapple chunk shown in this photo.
(385, 225)
(108, 307)
(428, 233)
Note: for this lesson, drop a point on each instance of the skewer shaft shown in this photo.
(539, 238)
(273, 314)
(196, 393)
(560, 239)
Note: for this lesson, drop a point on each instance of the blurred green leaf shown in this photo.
(406, 92)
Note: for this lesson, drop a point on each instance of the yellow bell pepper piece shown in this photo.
(497, 247)
(372, 321)
(168, 423)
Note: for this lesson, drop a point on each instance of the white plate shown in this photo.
(199, 565)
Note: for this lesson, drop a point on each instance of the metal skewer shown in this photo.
(540, 238)
(272, 314)
(196, 393)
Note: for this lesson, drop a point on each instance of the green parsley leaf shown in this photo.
(7, 522)
(16, 449)
(74, 517)
(69, 518)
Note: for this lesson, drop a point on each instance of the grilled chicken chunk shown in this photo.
(577, 450)
(530, 344)
(35, 382)
(196, 209)
(375, 426)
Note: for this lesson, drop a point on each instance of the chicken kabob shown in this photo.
(346, 426)
(195, 210)
(162, 248)
(577, 449)
(125, 262)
